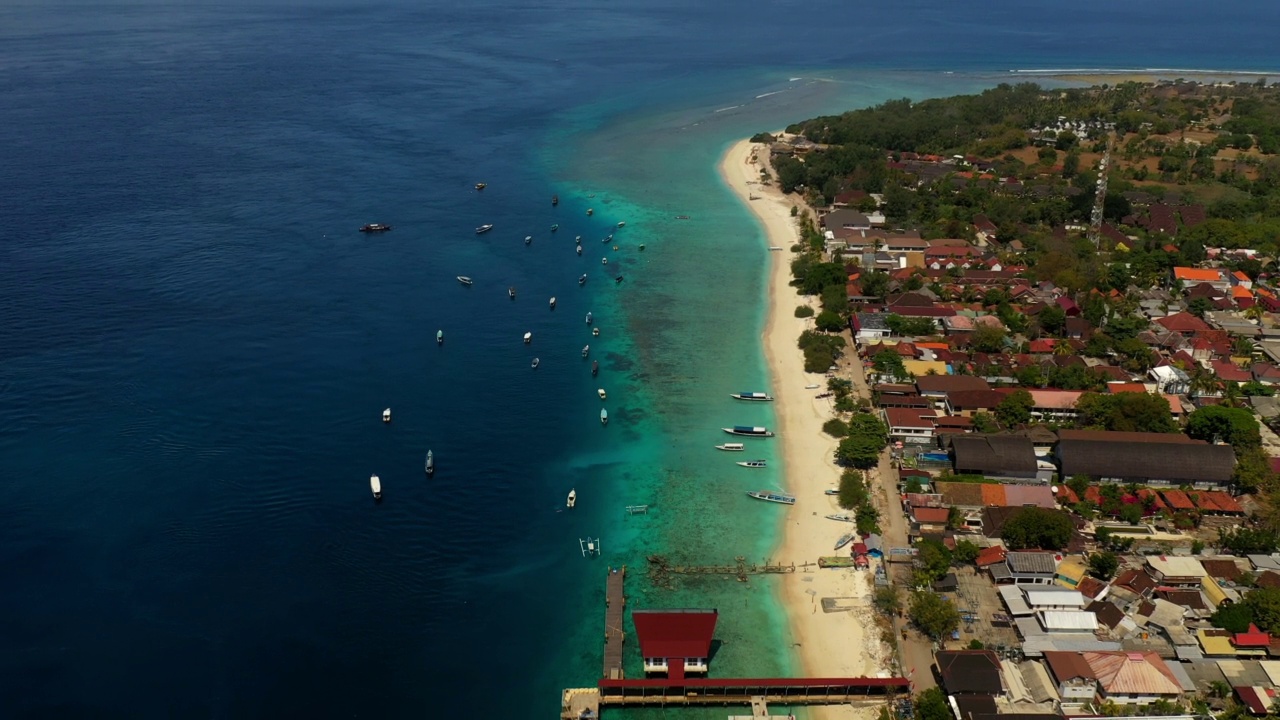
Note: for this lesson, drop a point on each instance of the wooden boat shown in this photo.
(753, 463)
(582, 280)
(579, 251)
(431, 463)
(831, 491)
(682, 217)
(555, 227)
(590, 546)
(756, 396)
(811, 387)
(604, 416)
(604, 261)
(846, 517)
(749, 431)
(465, 280)
(376, 486)
(590, 212)
(555, 200)
(772, 496)
(386, 415)
(481, 186)
(588, 318)
(595, 368)
(528, 239)
(374, 228)
(732, 447)
(484, 229)
(618, 280)
(622, 224)
(845, 539)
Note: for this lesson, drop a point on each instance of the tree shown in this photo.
(835, 427)
(887, 599)
(1015, 409)
(984, 423)
(1129, 412)
(1253, 470)
(966, 551)
(890, 364)
(860, 450)
(1079, 485)
(1052, 319)
(1235, 426)
(1103, 565)
(932, 705)
(853, 490)
(933, 558)
(933, 614)
(1265, 605)
(875, 284)
(987, 338)
(1198, 306)
(1235, 618)
(1034, 527)
(1249, 540)
(804, 311)
(828, 321)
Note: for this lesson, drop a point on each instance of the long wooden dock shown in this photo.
(615, 604)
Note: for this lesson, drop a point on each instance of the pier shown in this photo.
(615, 605)
(660, 569)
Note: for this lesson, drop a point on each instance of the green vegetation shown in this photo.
(828, 321)
(1130, 412)
(762, 137)
(1235, 426)
(861, 447)
(1235, 618)
(1015, 409)
(966, 551)
(910, 326)
(1246, 540)
(1264, 604)
(835, 427)
(890, 366)
(933, 614)
(1037, 528)
(932, 705)
(820, 350)
(1103, 565)
(804, 311)
(854, 496)
(887, 599)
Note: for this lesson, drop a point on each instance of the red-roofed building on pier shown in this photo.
(675, 642)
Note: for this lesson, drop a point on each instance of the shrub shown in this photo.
(804, 311)
(835, 427)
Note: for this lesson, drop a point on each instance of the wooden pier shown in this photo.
(615, 605)
(660, 569)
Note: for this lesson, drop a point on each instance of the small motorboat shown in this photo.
(590, 212)
(535, 363)
(641, 247)
(431, 463)
(528, 239)
(582, 280)
(528, 338)
(376, 486)
(484, 229)
(604, 416)
(604, 261)
(756, 396)
(753, 464)
(749, 430)
(374, 228)
(578, 249)
(572, 499)
(595, 368)
(617, 280)
(555, 227)
(772, 496)
(578, 239)
(552, 303)
(439, 337)
(732, 447)
(622, 224)
(595, 332)
(481, 186)
(601, 393)
(606, 239)
(682, 217)
(586, 350)
(588, 315)
(845, 539)
(555, 200)
(386, 415)
(511, 292)
(465, 280)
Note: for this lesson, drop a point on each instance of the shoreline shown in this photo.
(843, 643)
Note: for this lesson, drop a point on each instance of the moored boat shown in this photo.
(849, 517)
(572, 499)
(555, 227)
(374, 228)
(386, 415)
(590, 212)
(622, 224)
(595, 367)
(481, 186)
(588, 318)
(618, 280)
(484, 229)
(535, 363)
(555, 200)
(439, 337)
(753, 464)
(604, 416)
(376, 486)
(757, 396)
(749, 430)
(586, 349)
(601, 393)
(431, 463)
(595, 332)
(511, 292)
(582, 280)
(528, 338)
(604, 261)
(772, 496)
(528, 239)
(845, 539)
(811, 387)
(831, 491)
(553, 302)
(732, 447)
(579, 251)
(464, 280)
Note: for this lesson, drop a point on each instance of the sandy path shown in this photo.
(832, 644)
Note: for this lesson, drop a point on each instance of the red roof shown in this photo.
(931, 515)
(990, 556)
(1222, 500)
(675, 633)
(1178, 500)
(1253, 638)
(1183, 323)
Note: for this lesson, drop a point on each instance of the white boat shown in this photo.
(772, 496)
(756, 396)
(577, 238)
(811, 387)
(528, 338)
(622, 224)
(849, 517)
(774, 248)
(464, 280)
(439, 337)
(528, 239)
(535, 363)
(844, 540)
(579, 251)
(376, 486)
(749, 431)
(511, 292)
(590, 546)
(604, 261)
(483, 229)
(753, 464)
(386, 415)
(604, 416)
(582, 279)
(588, 318)
(595, 332)
(732, 447)
(586, 350)
(431, 463)
(831, 491)
(601, 393)
(553, 302)
(572, 499)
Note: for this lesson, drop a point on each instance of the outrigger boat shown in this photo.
(484, 229)
(590, 547)
(845, 539)
(756, 396)
(732, 447)
(772, 496)
(752, 464)
(749, 431)
(843, 518)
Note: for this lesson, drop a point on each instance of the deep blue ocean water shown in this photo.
(196, 344)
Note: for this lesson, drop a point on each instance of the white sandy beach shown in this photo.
(832, 644)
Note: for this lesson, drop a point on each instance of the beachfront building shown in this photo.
(1154, 459)
(675, 642)
(910, 425)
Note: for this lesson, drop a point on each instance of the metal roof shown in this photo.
(1049, 596)
(1031, 562)
(1069, 621)
(675, 633)
(1133, 673)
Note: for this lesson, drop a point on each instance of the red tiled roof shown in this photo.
(1183, 323)
(1178, 500)
(931, 515)
(990, 556)
(1253, 638)
(678, 634)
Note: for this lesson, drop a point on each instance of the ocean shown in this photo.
(197, 344)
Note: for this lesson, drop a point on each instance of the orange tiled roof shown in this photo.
(1197, 274)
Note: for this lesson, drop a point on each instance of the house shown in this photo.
(1073, 677)
(1054, 598)
(675, 641)
(849, 219)
(1054, 405)
(1067, 621)
(997, 456)
(969, 672)
(910, 425)
(1215, 277)
(1175, 571)
(929, 520)
(1183, 323)
(967, 402)
(1170, 380)
(1132, 678)
(1150, 463)
(936, 387)
(1025, 568)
